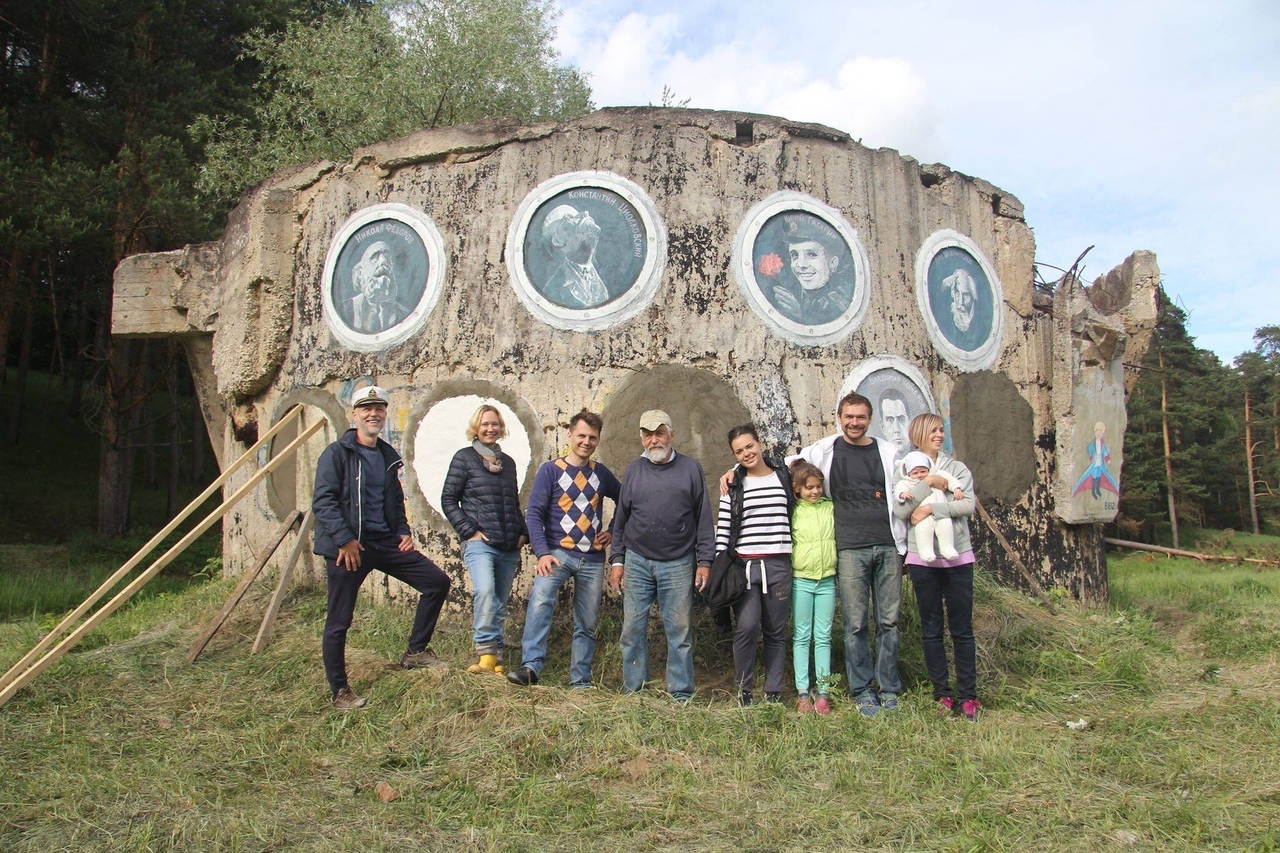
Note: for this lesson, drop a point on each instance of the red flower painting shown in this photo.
(770, 265)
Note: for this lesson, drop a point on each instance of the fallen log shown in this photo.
(1175, 552)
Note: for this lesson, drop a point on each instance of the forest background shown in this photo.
(134, 125)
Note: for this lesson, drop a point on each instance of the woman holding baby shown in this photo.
(935, 495)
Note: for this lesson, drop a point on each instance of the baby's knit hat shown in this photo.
(916, 459)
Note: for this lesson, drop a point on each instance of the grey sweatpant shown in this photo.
(765, 609)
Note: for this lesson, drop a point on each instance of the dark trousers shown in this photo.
(946, 595)
(764, 613)
(408, 566)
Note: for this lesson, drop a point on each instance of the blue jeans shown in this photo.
(588, 585)
(492, 573)
(870, 578)
(670, 583)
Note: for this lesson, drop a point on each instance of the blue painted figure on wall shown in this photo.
(1097, 477)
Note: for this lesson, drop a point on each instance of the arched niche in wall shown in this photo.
(436, 429)
(703, 408)
(289, 487)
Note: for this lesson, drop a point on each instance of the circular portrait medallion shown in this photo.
(802, 268)
(382, 276)
(897, 391)
(961, 300)
(586, 250)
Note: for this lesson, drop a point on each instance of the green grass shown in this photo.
(124, 746)
(1170, 693)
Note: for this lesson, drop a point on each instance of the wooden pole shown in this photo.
(250, 576)
(1017, 561)
(125, 594)
(282, 585)
(1174, 552)
(74, 616)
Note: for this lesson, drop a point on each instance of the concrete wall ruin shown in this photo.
(693, 293)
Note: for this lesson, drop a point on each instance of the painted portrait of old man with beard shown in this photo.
(377, 304)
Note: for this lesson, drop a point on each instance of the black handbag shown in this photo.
(727, 582)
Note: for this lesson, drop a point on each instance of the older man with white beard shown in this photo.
(375, 307)
(964, 298)
(661, 530)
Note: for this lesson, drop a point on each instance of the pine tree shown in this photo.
(1204, 467)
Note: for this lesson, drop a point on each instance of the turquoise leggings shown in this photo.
(814, 611)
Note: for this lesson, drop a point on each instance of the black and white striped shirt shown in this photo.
(766, 527)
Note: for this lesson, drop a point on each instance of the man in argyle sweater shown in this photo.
(563, 517)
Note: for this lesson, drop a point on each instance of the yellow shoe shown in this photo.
(487, 663)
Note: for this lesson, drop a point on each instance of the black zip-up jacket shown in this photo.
(336, 499)
(474, 499)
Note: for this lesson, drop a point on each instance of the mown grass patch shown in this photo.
(126, 747)
(1230, 609)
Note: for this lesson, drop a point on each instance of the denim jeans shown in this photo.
(946, 594)
(870, 578)
(670, 583)
(815, 611)
(588, 585)
(492, 573)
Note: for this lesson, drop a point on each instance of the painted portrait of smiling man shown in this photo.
(804, 268)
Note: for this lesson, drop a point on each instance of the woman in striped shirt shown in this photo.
(755, 521)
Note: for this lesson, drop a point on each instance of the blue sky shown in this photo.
(1124, 124)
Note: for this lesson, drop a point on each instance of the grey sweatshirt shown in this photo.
(663, 512)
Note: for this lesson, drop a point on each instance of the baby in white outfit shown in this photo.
(915, 466)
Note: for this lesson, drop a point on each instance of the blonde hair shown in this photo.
(473, 426)
(920, 427)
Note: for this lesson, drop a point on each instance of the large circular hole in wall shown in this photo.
(442, 431)
(703, 408)
(289, 487)
(993, 430)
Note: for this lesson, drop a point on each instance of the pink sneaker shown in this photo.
(805, 706)
(947, 706)
(822, 706)
(971, 708)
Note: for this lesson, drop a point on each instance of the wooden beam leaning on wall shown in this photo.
(107, 585)
(18, 682)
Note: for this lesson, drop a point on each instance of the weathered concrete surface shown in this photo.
(262, 302)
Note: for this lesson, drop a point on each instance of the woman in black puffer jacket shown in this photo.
(481, 499)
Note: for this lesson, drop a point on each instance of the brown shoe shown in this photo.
(426, 657)
(346, 700)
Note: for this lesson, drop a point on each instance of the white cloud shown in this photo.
(882, 101)
(1145, 124)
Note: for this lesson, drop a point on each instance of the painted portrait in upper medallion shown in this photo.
(802, 268)
(961, 300)
(382, 276)
(586, 250)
